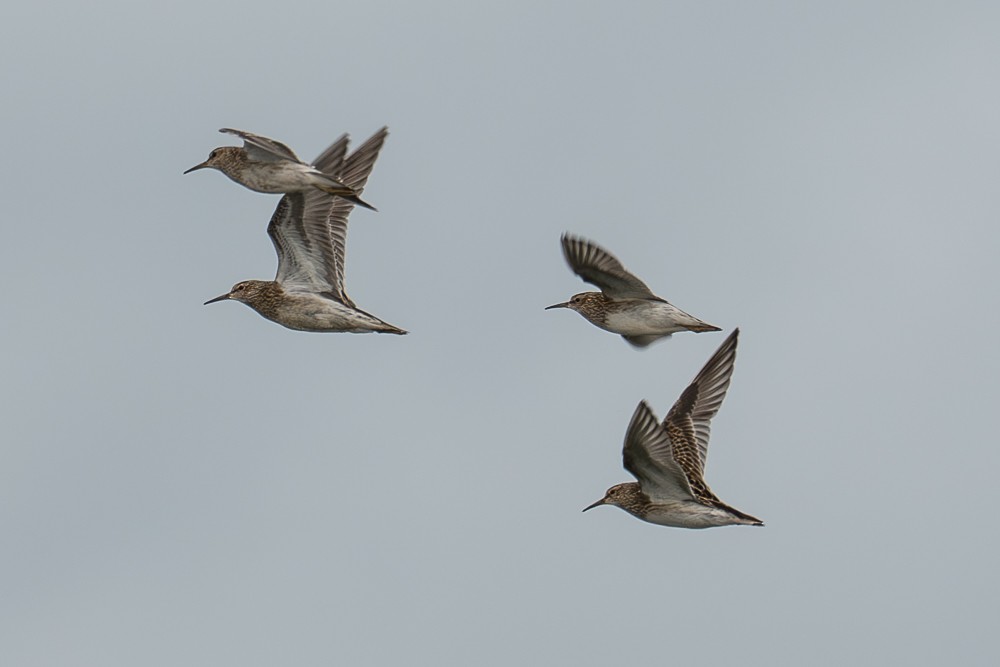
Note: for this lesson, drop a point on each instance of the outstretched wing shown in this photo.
(301, 238)
(331, 161)
(354, 173)
(309, 229)
(647, 455)
(261, 148)
(599, 267)
(688, 423)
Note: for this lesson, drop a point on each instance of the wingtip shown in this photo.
(704, 328)
(567, 240)
(354, 199)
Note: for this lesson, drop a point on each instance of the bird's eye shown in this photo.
(213, 154)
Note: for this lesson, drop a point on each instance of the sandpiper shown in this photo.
(624, 305)
(668, 459)
(266, 165)
(309, 232)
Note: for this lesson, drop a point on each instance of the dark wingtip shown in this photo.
(359, 201)
(704, 328)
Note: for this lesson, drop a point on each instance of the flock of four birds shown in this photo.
(309, 232)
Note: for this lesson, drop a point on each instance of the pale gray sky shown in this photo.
(189, 485)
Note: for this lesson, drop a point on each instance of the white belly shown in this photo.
(652, 318)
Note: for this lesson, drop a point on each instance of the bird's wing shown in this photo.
(599, 267)
(358, 166)
(331, 161)
(689, 421)
(354, 173)
(647, 455)
(263, 149)
(301, 237)
(309, 229)
(642, 340)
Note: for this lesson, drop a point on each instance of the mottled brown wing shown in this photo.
(261, 148)
(688, 423)
(599, 267)
(647, 455)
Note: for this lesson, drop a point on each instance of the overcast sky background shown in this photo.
(191, 485)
